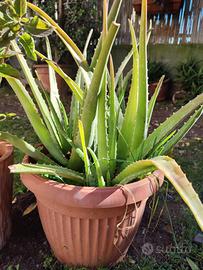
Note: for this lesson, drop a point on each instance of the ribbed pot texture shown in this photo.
(90, 226)
(6, 159)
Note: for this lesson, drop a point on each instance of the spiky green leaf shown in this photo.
(133, 135)
(154, 98)
(48, 169)
(173, 173)
(84, 148)
(100, 178)
(168, 127)
(36, 121)
(182, 131)
(73, 86)
(25, 147)
(113, 14)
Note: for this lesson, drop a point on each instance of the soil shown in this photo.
(28, 246)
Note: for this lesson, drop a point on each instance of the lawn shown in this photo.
(165, 238)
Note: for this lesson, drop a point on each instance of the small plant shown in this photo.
(190, 77)
(97, 144)
(156, 70)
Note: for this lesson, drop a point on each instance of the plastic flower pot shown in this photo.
(6, 159)
(165, 91)
(90, 226)
(43, 75)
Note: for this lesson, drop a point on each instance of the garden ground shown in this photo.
(165, 238)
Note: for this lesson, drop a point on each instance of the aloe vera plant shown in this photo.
(99, 143)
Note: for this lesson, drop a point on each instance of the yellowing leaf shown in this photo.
(173, 173)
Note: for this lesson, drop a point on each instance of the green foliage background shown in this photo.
(78, 18)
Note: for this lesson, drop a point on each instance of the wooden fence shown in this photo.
(186, 26)
(181, 28)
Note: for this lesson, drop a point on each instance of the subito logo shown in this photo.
(147, 249)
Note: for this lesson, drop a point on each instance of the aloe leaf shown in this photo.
(87, 43)
(36, 121)
(74, 50)
(154, 98)
(90, 102)
(64, 116)
(87, 75)
(123, 86)
(54, 92)
(143, 78)
(149, 31)
(47, 169)
(123, 66)
(60, 128)
(182, 131)
(112, 120)
(37, 94)
(132, 114)
(134, 171)
(113, 14)
(28, 45)
(75, 107)
(173, 173)
(84, 148)
(91, 98)
(25, 147)
(73, 86)
(101, 182)
(74, 116)
(102, 138)
(168, 126)
(158, 151)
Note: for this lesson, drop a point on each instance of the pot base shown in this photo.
(92, 238)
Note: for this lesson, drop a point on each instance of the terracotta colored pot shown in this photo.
(164, 93)
(89, 226)
(173, 6)
(43, 75)
(6, 183)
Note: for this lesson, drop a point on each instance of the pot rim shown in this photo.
(92, 197)
(7, 150)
